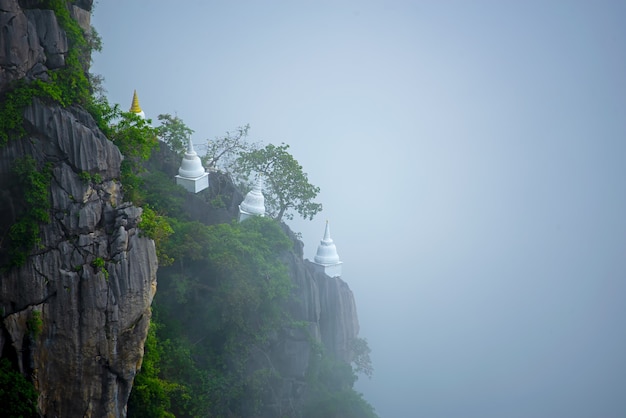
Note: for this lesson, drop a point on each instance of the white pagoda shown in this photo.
(254, 202)
(191, 174)
(327, 259)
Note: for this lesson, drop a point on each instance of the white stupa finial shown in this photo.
(327, 258)
(254, 202)
(327, 233)
(258, 186)
(190, 149)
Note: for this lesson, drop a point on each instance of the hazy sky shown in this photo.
(472, 161)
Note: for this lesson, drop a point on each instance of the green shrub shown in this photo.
(156, 227)
(18, 398)
(98, 263)
(221, 303)
(35, 185)
(34, 324)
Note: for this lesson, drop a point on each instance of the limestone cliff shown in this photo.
(75, 315)
(327, 308)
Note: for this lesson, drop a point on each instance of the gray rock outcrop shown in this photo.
(31, 42)
(91, 280)
(75, 315)
(326, 311)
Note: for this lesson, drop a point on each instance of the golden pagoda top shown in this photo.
(134, 107)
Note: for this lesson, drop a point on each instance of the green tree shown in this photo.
(18, 397)
(288, 187)
(157, 228)
(220, 303)
(331, 393)
(149, 397)
(136, 139)
(362, 361)
(174, 133)
(226, 149)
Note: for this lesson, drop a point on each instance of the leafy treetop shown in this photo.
(174, 133)
(288, 187)
(226, 149)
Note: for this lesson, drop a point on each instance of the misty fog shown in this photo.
(472, 166)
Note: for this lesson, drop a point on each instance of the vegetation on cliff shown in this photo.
(288, 186)
(33, 184)
(68, 85)
(216, 308)
(223, 288)
(221, 304)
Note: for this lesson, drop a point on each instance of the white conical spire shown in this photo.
(254, 203)
(191, 166)
(326, 251)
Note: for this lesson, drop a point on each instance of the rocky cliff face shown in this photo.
(75, 315)
(32, 41)
(326, 308)
(325, 303)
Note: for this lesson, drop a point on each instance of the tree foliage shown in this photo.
(174, 133)
(362, 361)
(223, 152)
(18, 397)
(157, 228)
(34, 184)
(219, 303)
(136, 140)
(345, 403)
(331, 393)
(287, 186)
(150, 396)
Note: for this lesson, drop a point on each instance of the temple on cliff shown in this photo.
(327, 259)
(191, 174)
(254, 202)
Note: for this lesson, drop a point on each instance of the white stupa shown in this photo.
(327, 258)
(191, 174)
(254, 203)
(135, 108)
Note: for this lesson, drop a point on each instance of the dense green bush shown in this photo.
(158, 228)
(151, 395)
(34, 184)
(18, 398)
(220, 301)
(331, 393)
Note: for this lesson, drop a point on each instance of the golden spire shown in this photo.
(135, 108)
